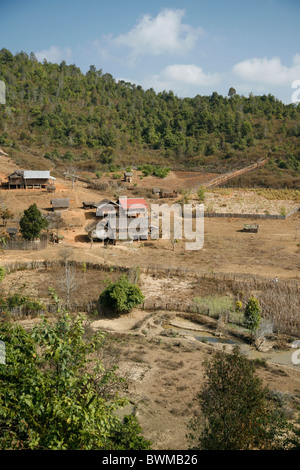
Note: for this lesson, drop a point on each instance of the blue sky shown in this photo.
(191, 47)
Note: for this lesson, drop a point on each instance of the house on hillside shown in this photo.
(16, 180)
(128, 176)
(88, 204)
(60, 204)
(106, 207)
(133, 207)
(25, 179)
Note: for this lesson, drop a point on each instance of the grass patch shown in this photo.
(214, 305)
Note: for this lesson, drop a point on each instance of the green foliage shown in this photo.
(151, 170)
(52, 399)
(127, 436)
(93, 112)
(2, 273)
(238, 411)
(32, 223)
(5, 215)
(16, 300)
(252, 314)
(201, 194)
(121, 296)
(216, 305)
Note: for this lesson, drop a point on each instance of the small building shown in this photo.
(156, 192)
(12, 231)
(250, 228)
(88, 204)
(60, 204)
(128, 176)
(106, 208)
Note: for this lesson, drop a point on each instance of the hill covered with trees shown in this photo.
(55, 114)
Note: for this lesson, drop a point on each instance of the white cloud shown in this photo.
(54, 54)
(162, 34)
(190, 75)
(268, 71)
(182, 79)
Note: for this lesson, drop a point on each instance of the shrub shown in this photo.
(121, 296)
(252, 314)
(154, 171)
(201, 194)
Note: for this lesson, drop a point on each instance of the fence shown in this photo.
(21, 244)
(280, 301)
(227, 176)
(24, 310)
(174, 271)
(251, 216)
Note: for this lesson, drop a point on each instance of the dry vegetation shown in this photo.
(164, 366)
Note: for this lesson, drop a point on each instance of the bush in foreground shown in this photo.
(121, 296)
(51, 398)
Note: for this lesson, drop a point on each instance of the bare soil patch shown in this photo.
(239, 201)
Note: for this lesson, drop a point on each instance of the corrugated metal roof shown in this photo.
(60, 202)
(30, 174)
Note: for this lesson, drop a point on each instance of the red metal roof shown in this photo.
(127, 203)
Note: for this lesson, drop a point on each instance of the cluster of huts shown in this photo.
(123, 209)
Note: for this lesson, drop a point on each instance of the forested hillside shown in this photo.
(63, 115)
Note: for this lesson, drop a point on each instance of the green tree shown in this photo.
(201, 194)
(32, 223)
(6, 215)
(252, 314)
(51, 396)
(121, 296)
(238, 412)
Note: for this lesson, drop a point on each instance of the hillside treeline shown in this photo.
(68, 115)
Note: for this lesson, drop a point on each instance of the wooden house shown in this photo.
(106, 208)
(60, 204)
(25, 179)
(16, 180)
(88, 204)
(156, 192)
(128, 176)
